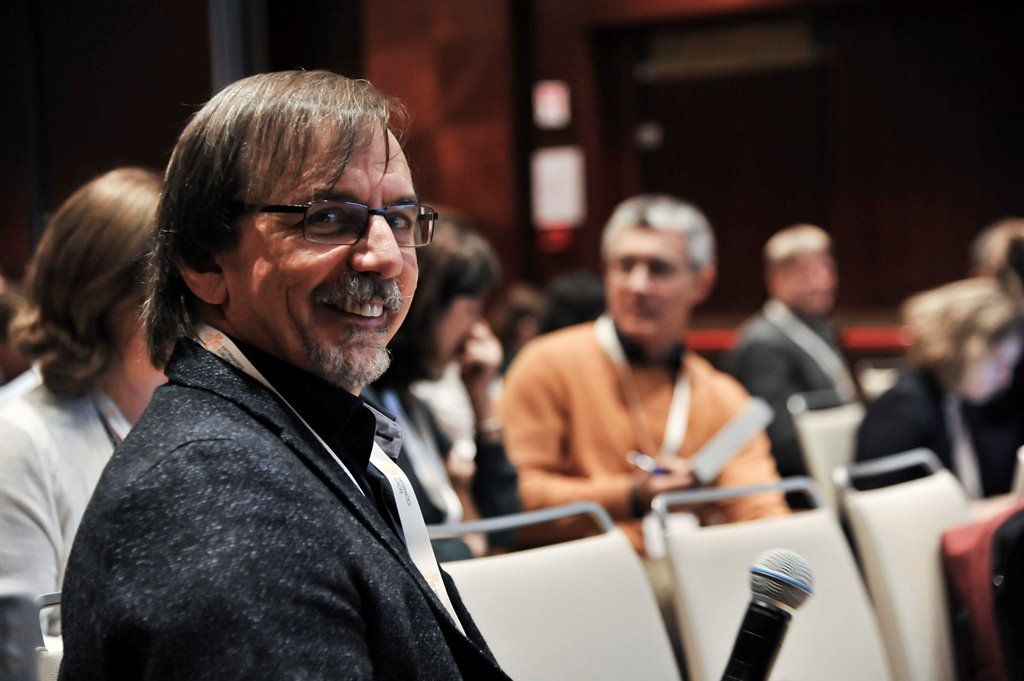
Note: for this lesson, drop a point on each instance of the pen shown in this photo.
(646, 463)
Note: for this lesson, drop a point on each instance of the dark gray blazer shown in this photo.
(222, 542)
(773, 367)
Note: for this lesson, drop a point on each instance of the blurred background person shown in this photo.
(515, 318)
(470, 477)
(966, 340)
(15, 377)
(994, 253)
(11, 362)
(574, 298)
(791, 346)
(580, 403)
(81, 325)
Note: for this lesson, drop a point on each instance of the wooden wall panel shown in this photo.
(101, 84)
(452, 62)
(915, 142)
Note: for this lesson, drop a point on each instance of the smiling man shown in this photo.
(254, 524)
(580, 401)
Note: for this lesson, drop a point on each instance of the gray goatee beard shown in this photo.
(360, 357)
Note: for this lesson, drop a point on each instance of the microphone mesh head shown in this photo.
(783, 576)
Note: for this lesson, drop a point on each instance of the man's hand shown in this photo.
(460, 468)
(677, 476)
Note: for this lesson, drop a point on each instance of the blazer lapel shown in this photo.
(306, 447)
(195, 367)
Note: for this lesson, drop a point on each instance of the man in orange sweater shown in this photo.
(579, 401)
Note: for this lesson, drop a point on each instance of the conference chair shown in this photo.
(581, 609)
(49, 649)
(875, 376)
(1018, 475)
(897, 531)
(826, 431)
(834, 634)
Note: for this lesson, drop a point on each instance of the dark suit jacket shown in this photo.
(910, 415)
(773, 367)
(222, 542)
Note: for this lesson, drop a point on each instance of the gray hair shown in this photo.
(664, 213)
(793, 241)
(271, 135)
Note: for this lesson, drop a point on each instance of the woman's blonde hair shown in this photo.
(956, 325)
(86, 276)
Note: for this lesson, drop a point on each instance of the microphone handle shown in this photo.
(757, 644)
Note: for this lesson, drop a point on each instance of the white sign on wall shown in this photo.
(558, 187)
(551, 105)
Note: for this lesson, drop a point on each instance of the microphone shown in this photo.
(780, 582)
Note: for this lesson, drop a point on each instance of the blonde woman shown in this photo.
(966, 342)
(81, 326)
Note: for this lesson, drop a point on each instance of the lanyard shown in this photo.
(111, 417)
(679, 408)
(827, 359)
(413, 527)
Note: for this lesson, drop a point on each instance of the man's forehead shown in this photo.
(809, 259)
(370, 164)
(649, 244)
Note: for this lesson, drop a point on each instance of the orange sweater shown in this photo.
(568, 430)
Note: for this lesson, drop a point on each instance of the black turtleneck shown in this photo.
(340, 418)
(672, 360)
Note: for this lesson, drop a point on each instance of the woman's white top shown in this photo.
(52, 451)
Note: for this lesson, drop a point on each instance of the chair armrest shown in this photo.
(845, 476)
(798, 483)
(516, 521)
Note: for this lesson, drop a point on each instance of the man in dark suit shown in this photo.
(253, 524)
(790, 346)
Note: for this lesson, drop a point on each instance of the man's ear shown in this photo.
(772, 280)
(705, 282)
(207, 285)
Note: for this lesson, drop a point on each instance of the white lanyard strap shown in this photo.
(220, 345)
(413, 528)
(679, 408)
(813, 345)
(111, 416)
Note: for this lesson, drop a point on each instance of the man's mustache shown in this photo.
(359, 289)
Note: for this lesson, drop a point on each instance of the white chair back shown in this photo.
(898, 531)
(581, 609)
(50, 650)
(875, 376)
(827, 438)
(1018, 475)
(833, 635)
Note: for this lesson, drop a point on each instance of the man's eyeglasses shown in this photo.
(342, 223)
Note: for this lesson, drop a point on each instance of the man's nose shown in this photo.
(378, 251)
(639, 278)
(824, 278)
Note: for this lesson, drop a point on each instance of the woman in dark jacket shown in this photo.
(966, 341)
(472, 477)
